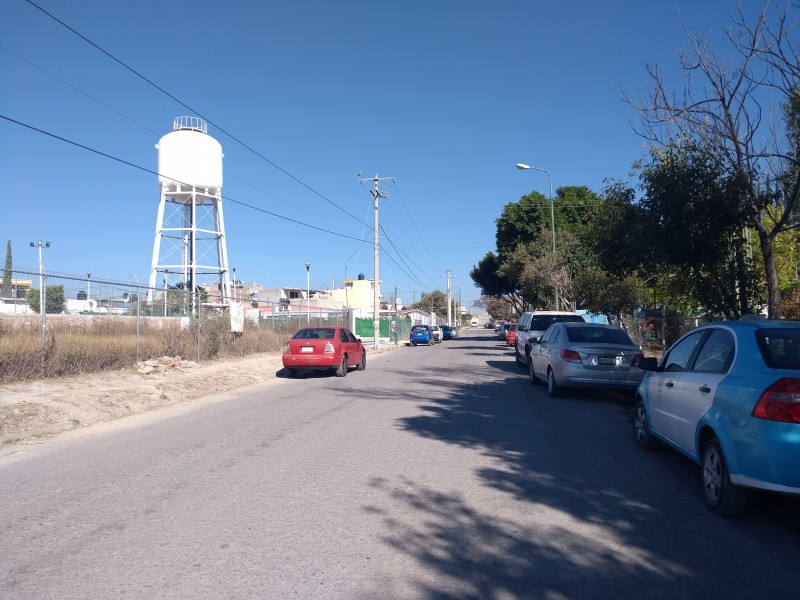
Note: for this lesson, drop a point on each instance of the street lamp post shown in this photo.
(524, 167)
(308, 291)
(42, 292)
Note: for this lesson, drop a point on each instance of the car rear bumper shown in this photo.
(574, 375)
(314, 361)
(764, 455)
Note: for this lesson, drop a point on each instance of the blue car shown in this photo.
(421, 334)
(727, 396)
(447, 332)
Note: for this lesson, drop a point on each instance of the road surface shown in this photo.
(438, 473)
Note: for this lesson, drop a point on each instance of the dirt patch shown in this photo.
(33, 410)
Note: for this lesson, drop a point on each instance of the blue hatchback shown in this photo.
(727, 395)
(421, 334)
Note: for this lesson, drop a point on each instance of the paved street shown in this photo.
(437, 473)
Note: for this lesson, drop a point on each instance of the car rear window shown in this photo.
(780, 348)
(598, 335)
(418, 328)
(311, 334)
(542, 322)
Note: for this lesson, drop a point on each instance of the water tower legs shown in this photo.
(189, 250)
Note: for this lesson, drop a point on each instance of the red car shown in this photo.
(511, 334)
(329, 348)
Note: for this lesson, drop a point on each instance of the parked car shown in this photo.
(533, 324)
(421, 334)
(585, 355)
(511, 335)
(447, 332)
(727, 396)
(436, 331)
(503, 333)
(455, 331)
(329, 348)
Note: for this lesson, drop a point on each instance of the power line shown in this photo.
(141, 125)
(146, 170)
(213, 123)
(189, 108)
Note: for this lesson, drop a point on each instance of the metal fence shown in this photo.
(71, 294)
(74, 304)
(655, 332)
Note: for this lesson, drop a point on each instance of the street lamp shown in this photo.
(524, 167)
(42, 292)
(308, 291)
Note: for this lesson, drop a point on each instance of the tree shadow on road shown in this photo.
(601, 527)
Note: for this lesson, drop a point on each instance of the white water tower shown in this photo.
(189, 247)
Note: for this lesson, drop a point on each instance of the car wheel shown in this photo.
(341, 371)
(531, 375)
(553, 390)
(722, 497)
(363, 363)
(414, 344)
(640, 430)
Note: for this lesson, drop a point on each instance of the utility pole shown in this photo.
(396, 322)
(376, 324)
(449, 296)
(42, 290)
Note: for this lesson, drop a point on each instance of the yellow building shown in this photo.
(358, 294)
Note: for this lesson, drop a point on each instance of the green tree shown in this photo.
(54, 301)
(524, 271)
(435, 301)
(735, 98)
(6, 290)
(697, 213)
(602, 292)
(499, 308)
(620, 233)
(487, 276)
(521, 221)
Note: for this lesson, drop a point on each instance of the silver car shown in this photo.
(585, 355)
(436, 333)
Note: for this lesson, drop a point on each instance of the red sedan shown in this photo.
(328, 347)
(511, 335)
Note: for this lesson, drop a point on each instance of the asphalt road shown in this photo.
(438, 473)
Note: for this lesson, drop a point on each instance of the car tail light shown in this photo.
(329, 349)
(286, 349)
(636, 359)
(571, 356)
(780, 402)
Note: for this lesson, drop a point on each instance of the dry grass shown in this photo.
(92, 345)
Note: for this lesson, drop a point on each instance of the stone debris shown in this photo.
(163, 365)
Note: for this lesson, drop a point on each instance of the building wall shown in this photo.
(357, 294)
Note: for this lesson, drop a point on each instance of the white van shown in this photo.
(532, 325)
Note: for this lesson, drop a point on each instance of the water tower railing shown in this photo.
(193, 123)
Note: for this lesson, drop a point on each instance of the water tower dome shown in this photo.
(189, 157)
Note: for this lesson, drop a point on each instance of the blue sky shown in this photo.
(445, 96)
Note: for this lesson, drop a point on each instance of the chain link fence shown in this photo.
(92, 324)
